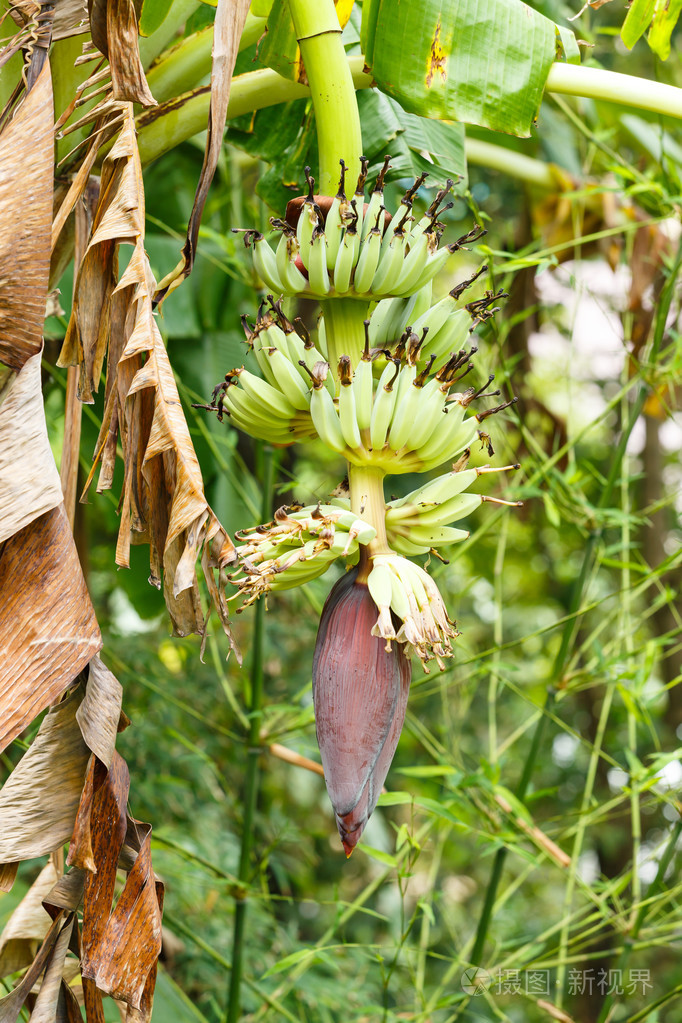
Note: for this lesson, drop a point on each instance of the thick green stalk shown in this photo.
(331, 87)
(153, 45)
(367, 501)
(344, 329)
(160, 130)
(186, 64)
(253, 749)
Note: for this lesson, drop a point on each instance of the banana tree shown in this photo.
(90, 99)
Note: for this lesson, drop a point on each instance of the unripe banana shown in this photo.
(265, 264)
(376, 202)
(449, 338)
(318, 274)
(347, 413)
(346, 257)
(382, 409)
(432, 213)
(325, 417)
(434, 536)
(413, 264)
(287, 250)
(406, 403)
(268, 397)
(391, 260)
(363, 385)
(368, 258)
(334, 222)
(401, 545)
(289, 380)
(430, 415)
(443, 488)
(308, 219)
(435, 515)
(358, 200)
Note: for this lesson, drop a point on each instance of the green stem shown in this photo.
(515, 165)
(344, 330)
(186, 64)
(331, 88)
(366, 484)
(626, 90)
(253, 750)
(154, 44)
(165, 127)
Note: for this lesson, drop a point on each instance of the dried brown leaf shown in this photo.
(11, 1004)
(100, 711)
(115, 34)
(28, 924)
(48, 629)
(26, 158)
(131, 943)
(45, 1008)
(229, 23)
(8, 874)
(70, 19)
(38, 802)
(67, 893)
(29, 481)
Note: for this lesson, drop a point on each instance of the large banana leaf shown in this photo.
(483, 63)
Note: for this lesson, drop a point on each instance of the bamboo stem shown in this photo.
(252, 777)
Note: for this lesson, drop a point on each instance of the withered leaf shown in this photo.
(48, 629)
(11, 1004)
(229, 23)
(45, 1008)
(67, 893)
(100, 711)
(38, 802)
(115, 34)
(28, 924)
(29, 481)
(131, 943)
(26, 158)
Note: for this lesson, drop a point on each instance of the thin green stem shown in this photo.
(626, 90)
(252, 778)
(337, 118)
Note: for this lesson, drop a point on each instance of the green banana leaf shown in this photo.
(462, 60)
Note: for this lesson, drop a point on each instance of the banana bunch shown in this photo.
(419, 522)
(299, 545)
(274, 404)
(331, 246)
(404, 591)
(406, 421)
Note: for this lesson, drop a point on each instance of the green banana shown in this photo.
(376, 202)
(289, 380)
(268, 397)
(363, 385)
(347, 413)
(368, 258)
(325, 417)
(382, 409)
(318, 274)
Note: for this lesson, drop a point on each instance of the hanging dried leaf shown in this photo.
(29, 481)
(70, 19)
(100, 711)
(48, 629)
(131, 942)
(45, 1008)
(163, 501)
(28, 924)
(120, 948)
(229, 24)
(11, 1004)
(26, 156)
(38, 802)
(114, 32)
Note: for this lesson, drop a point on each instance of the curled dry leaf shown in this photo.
(100, 711)
(38, 802)
(229, 24)
(163, 501)
(11, 1004)
(29, 481)
(28, 924)
(26, 156)
(48, 629)
(120, 948)
(114, 32)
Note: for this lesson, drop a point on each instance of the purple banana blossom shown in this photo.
(360, 694)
